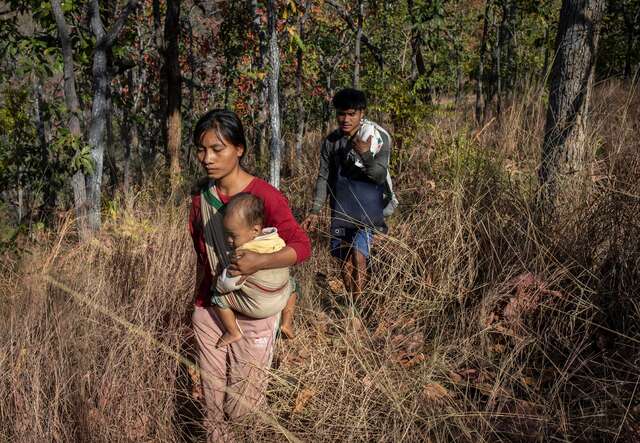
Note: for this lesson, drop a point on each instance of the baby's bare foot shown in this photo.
(228, 338)
(287, 331)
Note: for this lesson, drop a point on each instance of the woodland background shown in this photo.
(502, 303)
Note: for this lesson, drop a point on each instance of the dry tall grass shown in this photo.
(477, 325)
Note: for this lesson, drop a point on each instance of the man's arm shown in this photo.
(320, 195)
(375, 167)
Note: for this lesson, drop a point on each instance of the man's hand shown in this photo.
(310, 223)
(246, 263)
(362, 146)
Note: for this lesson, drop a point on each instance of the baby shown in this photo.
(259, 295)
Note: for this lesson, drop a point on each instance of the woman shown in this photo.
(233, 377)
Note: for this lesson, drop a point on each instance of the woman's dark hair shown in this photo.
(226, 124)
(350, 98)
(249, 207)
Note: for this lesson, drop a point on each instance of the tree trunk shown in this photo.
(50, 192)
(419, 70)
(129, 134)
(162, 109)
(631, 23)
(498, 72)
(356, 62)
(100, 72)
(261, 119)
(483, 49)
(564, 149)
(300, 102)
(174, 90)
(508, 28)
(78, 181)
(275, 160)
(545, 65)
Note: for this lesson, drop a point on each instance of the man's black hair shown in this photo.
(226, 124)
(248, 207)
(350, 98)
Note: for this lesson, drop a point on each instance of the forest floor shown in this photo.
(477, 324)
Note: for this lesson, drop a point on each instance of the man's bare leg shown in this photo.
(286, 328)
(359, 272)
(232, 331)
(347, 274)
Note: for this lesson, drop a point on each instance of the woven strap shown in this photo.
(217, 248)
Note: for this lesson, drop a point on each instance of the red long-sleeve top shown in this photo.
(276, 214)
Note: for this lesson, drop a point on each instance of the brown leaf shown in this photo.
(382, 329)
(435, 392)
(302, 399)
(410, 360)
(409, 343)
(336, 286)
(321, 323)
(455, 377)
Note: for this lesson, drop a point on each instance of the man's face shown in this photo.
(349, 120)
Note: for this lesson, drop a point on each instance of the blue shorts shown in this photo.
(359, 239)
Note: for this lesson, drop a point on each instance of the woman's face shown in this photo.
(217, 156)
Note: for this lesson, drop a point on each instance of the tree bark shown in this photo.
(356, 62)
(375, 51)
(564, 149)
(78, 181)
(100, 72)
(419, 69)
(508, 28)
(483, 50)
(174, 90)
(261, 115)
(275, 160)
(498, 71)
(162, 108)
(299, 73)
(632, 26)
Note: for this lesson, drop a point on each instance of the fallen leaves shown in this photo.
(410, 360)
(527, 293)
(336, 286)
(435, 393)
(406, 349)
(303, 397)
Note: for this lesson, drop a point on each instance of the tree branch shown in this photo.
(375, 51)
(112, 35)
(107, 38)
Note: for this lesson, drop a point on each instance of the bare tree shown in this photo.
(299, 73)
(275, 160)
(262, 84)
(78, 182)
(356, 62)
(174, 90)
(564, 148)
(483, 49)
(104, 41)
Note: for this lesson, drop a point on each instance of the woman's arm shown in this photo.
(277, 214)
(247, 262)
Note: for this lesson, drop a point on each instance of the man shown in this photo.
(355, 178)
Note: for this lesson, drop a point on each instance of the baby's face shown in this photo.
(238, 231)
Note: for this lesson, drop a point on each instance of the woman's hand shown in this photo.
(246, 263)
